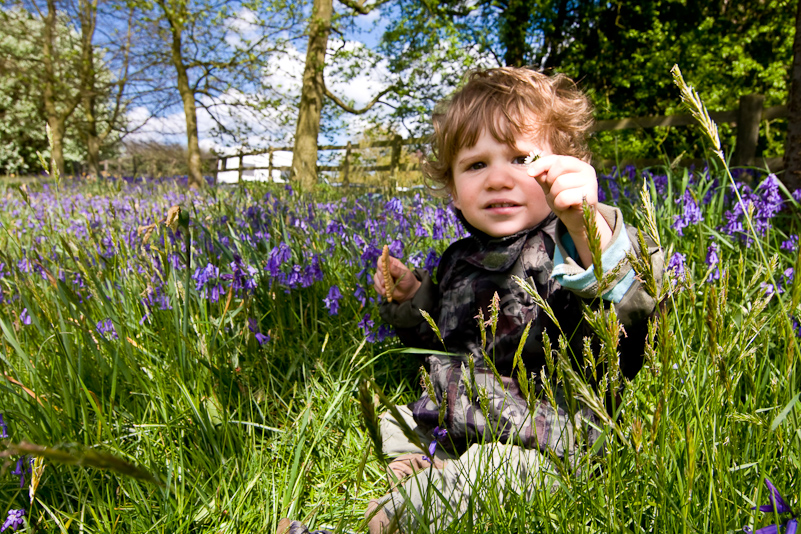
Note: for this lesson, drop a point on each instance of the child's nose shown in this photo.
(500, 178)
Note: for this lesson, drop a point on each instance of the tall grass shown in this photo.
(238, 431)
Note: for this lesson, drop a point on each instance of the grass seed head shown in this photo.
(388, 281)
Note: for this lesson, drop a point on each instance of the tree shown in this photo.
(314, 91)
(792, 147)
(38, 53)
(215, 48)
(103, 97)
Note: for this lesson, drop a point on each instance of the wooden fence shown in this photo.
(747, 119)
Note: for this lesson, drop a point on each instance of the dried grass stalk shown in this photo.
(389, 283)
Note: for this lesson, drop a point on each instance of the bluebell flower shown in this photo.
(278, 256)
(396, 248)
(797, 195)
(3, 427)
(384, 332)
(207, 281)
(15, 520)
(24, 317)
(677, 264)
(420, 230)
(791, 244)
(394, 205)
(366, 324)
(766, 202)
(660, 183)
(23, 466)
(361, 295)
(332, 300)
(440, 223)
(691, 213)
(242, 276)
(106, 329)
(712, 260)
(431, 262)
(253, 326)
(439, 435)
(778, 506)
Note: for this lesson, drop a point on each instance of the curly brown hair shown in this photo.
(508, 102)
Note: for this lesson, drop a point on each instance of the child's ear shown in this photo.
(455, 200)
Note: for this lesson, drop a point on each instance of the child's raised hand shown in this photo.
(405, 283)
(566, 182)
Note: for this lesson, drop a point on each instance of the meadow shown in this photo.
(200, 371)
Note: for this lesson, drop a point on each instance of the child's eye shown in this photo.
(478, 165)
(520, 160)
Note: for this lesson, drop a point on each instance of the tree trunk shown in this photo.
(304, 155)
(792, 148)
(188, 97)
(54, 118)
(88, 14)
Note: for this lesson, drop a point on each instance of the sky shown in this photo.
(285, 72)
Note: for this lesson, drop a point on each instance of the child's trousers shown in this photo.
(437, 494)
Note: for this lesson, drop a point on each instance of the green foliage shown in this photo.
(22, 114)
(243, 434)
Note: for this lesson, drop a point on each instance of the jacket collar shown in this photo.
(497, 253)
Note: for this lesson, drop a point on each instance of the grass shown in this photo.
(238, 434)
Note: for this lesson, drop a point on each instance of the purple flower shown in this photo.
(366, 324)
(712, 261)
(776, 505)
(439, 435)
(278, 256)
(431, 262)
(253, 326)
(792, 243)
(677, 264)
(394, 205)
(23, 466)
(207, 281)
(691, 213)
(3, 427)
(766, 202)
(106, 329)
(24, 317)
(15, 520)
(797, 195)
(332, 300)
(242, 276)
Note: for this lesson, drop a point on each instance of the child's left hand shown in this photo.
(566, 182)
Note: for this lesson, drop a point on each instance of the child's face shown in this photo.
(492, 188)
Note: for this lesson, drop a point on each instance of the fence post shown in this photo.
(749, 116)
(396, 152)
(346, 166)
(270, 165)
(241, 164)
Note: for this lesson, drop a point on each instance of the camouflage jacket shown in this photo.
(470, 272)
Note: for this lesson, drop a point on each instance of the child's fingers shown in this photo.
(542, 171)
(378, 283)
(397, 268)
(571, 198)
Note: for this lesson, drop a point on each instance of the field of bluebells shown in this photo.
(199, 371)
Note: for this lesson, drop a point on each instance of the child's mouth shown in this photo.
(500, 205)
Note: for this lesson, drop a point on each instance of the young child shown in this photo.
(524, 221)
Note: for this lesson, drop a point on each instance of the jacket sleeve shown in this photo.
(633, 303)
(405, 317)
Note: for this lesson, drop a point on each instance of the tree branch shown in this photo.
(351, 109)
